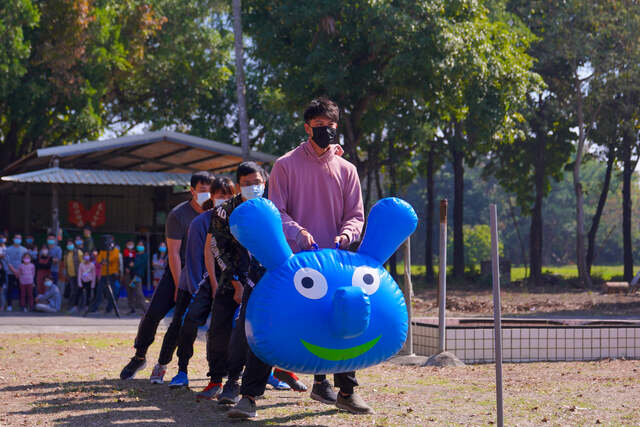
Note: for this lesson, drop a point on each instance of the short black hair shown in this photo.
(322, 106)
(201, 177)
(207, 205)
(247, 168)
(223, 184)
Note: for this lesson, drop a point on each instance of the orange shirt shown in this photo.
(113, 266)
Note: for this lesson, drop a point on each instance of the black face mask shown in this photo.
(323, 136)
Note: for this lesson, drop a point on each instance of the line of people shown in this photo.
(319, 198)
(80, 273)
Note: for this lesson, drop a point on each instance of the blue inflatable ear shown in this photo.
(390, 222)
(257, 225)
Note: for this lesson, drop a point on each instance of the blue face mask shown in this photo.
(48, 283)
(252, 191)
(17, 241)
(162, 249)
(140, 248)
(2, 240)
(70, 246)
(51, 242)
(79, 242)
(29, 240)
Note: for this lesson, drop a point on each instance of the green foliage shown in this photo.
(86, 66)
(477, 242)
(382, 61)
(16, 17)
(477, 245)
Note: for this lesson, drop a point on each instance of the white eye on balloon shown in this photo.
(366, 278)
(310, 283)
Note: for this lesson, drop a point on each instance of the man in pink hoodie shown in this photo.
(318, 195)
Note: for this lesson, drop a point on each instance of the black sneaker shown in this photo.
(245, 408)
(134, 365)
(291, 379)
(323, 392)
(230, 393)
(353, 403)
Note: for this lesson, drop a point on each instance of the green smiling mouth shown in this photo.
(336, 354)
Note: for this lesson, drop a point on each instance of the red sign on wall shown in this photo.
(79, 216)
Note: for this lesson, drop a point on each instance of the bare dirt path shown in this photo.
(70, 379)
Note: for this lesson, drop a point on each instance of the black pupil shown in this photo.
(368, 279)
(307, 282)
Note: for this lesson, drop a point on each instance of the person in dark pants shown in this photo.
(109, 259)
(235, 260)
(166, 295)
(225, 256)
(191, 281)
(320, 202)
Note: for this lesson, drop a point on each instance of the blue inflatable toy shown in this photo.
(327, 310)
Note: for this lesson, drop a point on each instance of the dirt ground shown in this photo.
(516, 300)
(70, 379)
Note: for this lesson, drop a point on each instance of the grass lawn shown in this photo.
(606, 272)
(70, 379)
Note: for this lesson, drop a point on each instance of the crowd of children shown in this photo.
(72, 279)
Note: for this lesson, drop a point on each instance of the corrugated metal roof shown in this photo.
(147, 138)
(105, 177)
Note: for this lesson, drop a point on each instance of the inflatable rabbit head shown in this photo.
(328, 310)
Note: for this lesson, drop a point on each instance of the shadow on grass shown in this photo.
(137, 403)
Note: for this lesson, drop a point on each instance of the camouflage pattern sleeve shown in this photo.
(230, 255)
(221, 239)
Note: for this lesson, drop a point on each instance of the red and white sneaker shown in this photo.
(210, 392)
(157, 375)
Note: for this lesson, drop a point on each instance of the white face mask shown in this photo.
(252, 191)
(218, 202)
(202, 197)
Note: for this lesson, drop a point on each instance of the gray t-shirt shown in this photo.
(177, 225)
(14, 256)
(55, 252)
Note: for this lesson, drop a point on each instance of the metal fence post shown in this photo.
(407, 290)
(442, 282)
(497, 322)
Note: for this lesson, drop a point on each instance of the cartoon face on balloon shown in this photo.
(328, 310)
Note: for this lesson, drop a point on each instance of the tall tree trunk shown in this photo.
(241, 89)
(392, 193)
(458, 209)
(626, 209)
(581, 255)
(378, 184)
(595, 222)
(535, 234)
(9, 147)
(369, 190)
(523, 251)
(428, 254)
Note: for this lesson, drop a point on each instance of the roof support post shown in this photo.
(55, 217)
(27, 209)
